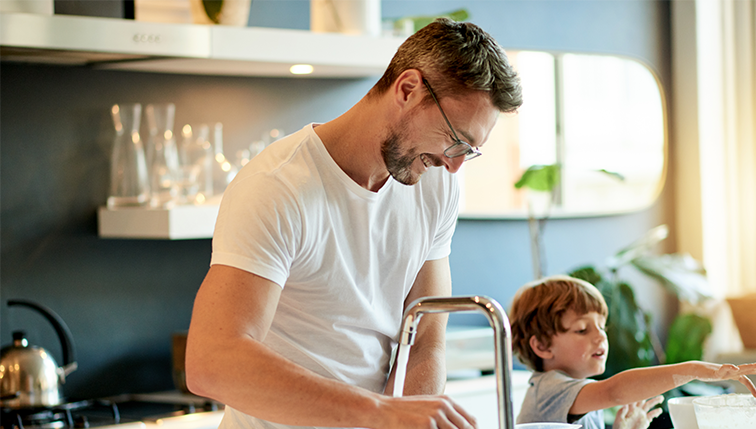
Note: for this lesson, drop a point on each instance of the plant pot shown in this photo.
(744, 312)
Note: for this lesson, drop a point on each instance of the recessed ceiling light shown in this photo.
(301, 69)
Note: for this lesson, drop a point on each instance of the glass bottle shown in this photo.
(129, 185)
(223, 170)
(162, 155)
(195, 160)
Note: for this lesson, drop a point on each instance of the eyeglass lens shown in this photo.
(459, 147)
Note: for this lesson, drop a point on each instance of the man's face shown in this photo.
(398, 160)
(418, 141)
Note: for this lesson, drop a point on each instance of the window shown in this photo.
(601, 118)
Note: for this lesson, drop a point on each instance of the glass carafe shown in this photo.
(129, 184)
(162, 155)
(195, 165)
(223, 170)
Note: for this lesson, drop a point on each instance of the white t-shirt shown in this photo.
(550, 397)
(345, 257)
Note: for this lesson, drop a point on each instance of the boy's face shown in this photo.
(581, 351)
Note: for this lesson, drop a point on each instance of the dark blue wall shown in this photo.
(124, 298)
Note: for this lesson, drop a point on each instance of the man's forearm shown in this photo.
(426, 371)
(268, 384)
(426, 367)
(283, 392)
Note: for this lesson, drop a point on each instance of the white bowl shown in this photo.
(547, 426)
(733, 411)
(682, 412)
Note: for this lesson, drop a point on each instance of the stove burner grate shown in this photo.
(58, 416)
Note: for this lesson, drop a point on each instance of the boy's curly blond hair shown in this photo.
(537, 310)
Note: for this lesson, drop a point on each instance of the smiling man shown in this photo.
(325, 237)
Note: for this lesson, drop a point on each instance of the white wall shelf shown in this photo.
(177, 223)
(189, 49)
(109, 43)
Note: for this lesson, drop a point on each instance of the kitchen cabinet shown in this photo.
(119, 44)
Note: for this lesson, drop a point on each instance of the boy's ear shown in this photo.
(540, 349)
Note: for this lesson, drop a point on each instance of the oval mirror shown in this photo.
(601, 119)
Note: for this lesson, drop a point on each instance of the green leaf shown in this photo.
(638, 248)
(588, 274)
(681, 274)
(421, 21)
(612, 174)
(540, 177)
(686, 338)
(213, 9)
(628, 328)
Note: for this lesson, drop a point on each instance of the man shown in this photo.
(325, 237)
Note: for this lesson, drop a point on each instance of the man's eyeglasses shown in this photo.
(459, 148)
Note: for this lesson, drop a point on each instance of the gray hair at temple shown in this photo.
(456, 57)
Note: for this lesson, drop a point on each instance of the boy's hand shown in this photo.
(638, 415)
(732, 372)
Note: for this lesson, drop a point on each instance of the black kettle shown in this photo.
(29, 376)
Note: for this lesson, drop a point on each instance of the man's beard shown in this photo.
(398, 164)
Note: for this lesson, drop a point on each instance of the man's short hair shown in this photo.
(456, 57)
(538, 307)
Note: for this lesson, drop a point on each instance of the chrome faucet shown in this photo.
(498, 320)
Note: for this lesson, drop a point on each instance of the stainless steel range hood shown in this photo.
(185, 48)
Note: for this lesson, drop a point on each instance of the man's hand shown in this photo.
(638, 415)
(421, 412)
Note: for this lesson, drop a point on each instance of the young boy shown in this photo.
(558, 331)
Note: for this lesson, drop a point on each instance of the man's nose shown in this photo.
(453, 164)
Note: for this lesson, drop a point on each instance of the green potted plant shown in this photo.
(541, 182)
(632, 341)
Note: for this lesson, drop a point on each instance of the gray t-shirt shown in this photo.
(550, 397)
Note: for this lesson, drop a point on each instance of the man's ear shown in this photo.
(540, 349)
(409, 87)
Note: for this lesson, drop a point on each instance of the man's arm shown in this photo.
(227, 361)
(426, 369)
(639, 384)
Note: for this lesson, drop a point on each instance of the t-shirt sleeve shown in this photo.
(258, 228)
(555, 394)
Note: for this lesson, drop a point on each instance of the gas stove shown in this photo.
(169, 410)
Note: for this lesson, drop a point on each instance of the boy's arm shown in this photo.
(642, 383)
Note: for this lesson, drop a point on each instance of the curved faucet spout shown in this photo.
(498, 320)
